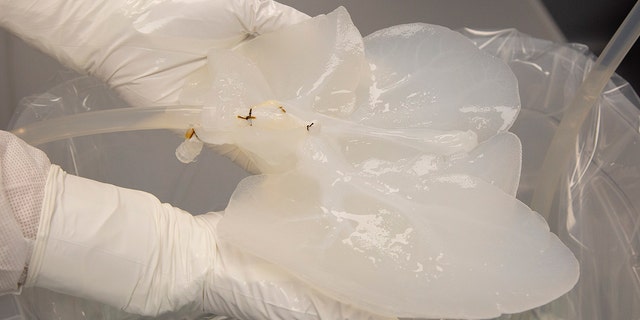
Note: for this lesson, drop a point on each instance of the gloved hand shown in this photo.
(146, 50)
(124, 248)
(153, 53)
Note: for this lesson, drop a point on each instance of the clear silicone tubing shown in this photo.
(108, 121)
(555, 165)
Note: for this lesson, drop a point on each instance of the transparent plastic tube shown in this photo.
(556, 161)
(115, 120)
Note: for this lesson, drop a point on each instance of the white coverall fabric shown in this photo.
(125, 248)
(23, 172)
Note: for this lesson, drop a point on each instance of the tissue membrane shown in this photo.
(388, 173)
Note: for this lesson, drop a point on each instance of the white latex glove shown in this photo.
(146, 50)
(124, 248)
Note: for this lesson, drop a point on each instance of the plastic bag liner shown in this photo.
(596, 213)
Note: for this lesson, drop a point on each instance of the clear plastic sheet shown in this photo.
(597, 211)
(596, 214)
(128, 159)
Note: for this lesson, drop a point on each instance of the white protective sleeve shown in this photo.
(23, 173)
(125, 248)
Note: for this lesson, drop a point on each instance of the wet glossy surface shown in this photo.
(388, 179)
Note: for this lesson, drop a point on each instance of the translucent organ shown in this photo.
(400, 197)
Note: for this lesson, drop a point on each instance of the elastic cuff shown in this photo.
(54, 179)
